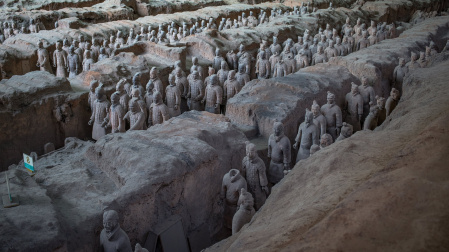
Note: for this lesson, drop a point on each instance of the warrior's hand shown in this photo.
(176, 107)
(266, 190)
(295, 146)
(90, 122)
(38, 65)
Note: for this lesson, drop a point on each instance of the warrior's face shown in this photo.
(330, 100)
(251, 151)
(110, 222)
(354, 90)
(278, 129)
(402, 62)
(315, 110)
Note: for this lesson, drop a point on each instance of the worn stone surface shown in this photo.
(35, 109)
(378, 190)
(146, 176)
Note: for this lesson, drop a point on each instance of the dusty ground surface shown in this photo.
(382, 190)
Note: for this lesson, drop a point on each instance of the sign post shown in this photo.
(28, 162)
(8, 200)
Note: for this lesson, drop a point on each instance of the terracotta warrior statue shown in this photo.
(199, 69)
(346, 131)
(382, 111)
(370, 122)
(231, 87)
(173, 97)
(279, 153)
(124, 97)
(333, 115)
(413, 63)
(112, 237)
(213, 95)
(368, 95)
(331, 51)
(74, 62)
(136, 115)
(158, 85)
(43, 59)
(217, 60)
(91, 100)
(231, 59)
(280, 69)
(399, 74)
(222, 74)
(275, 47)
(158, 111)
(308, 134)
(245, 211)
(116, 114)
(100, 113)
(232, 183)
(263, 67)
(325, 141)
(273, 61)
(354, 107)
(319, 57)
(318, 119)
(183, 85)
(195, 93)
(302, 60)
(392, 101)
(34, 28)
(253, 169)
(87, 62)
(242, 77)
(60, 61)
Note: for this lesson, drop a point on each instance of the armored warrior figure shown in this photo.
(325, 141)
(100, 113)
(253, 169)
(263, 68)
(74, 63)
(158, 85)
(319, 57)
(112, 237)
(363, 42)
(199, 69)
(399, 73)
(123, 95)
(173, 97)
(318, 119)
(382, 111)
(274, 59)
(308, 134)
(232, 183)
(210, 72)
(413, 64)
(195, 93)
(223, 73)
(183, 85)
(137, 84)
(217, 60)
(368, 95)
(66, 45)
(213, 95)
(331, 51)
(232, 60)
(231, 87)
(43, 61)
(60, 61)
(80, 52)
(87, 62)
(280, 69)
(341, 49)
(333, 116)
(34, 28)
(91, 100)
(242, 77)
(279, 153)
(103, 54)
(136, 115)
(116, 114)
(158, 111)
(370, 122)
(301, 60)
(245, 211)
(346, 131)
(244, 58)
(392, 101)
(275, 47)
(290, 63)
(354, 107)
(149, 99)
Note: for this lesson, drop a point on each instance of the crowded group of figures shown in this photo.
(246, 191)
